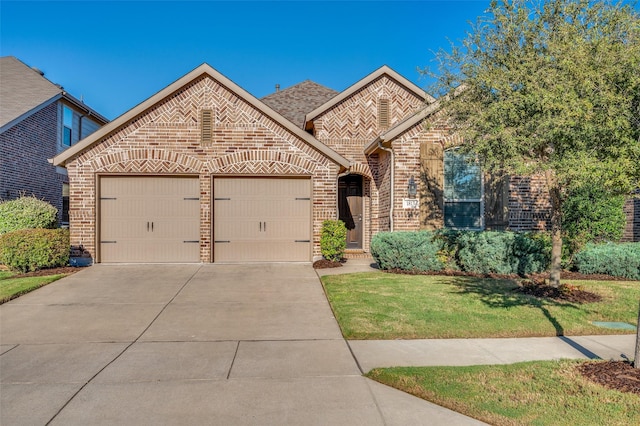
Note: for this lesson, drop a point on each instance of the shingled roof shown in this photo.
(296, 101)
(22, 89)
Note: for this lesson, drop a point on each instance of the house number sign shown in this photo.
(410, 203)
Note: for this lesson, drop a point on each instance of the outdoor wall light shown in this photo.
(412, 188)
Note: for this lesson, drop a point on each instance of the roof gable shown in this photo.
(172, 89)
(350, 91)
(295, 101)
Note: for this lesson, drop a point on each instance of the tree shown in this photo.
(549, 88)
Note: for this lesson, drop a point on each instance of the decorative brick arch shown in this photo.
(361, 169)
(262, 162)
(146, 160)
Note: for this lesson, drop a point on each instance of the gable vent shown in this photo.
(206, 126)
(383, 113)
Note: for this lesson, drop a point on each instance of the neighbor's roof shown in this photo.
(62, 158)
(383, 70)
(295, 101)
(24, 90)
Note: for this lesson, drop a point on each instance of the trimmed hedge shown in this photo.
(492, 252)
(32, 249)
(333, 240)
(470, 251)
(27, 213)
(620, 260)
(410, 251)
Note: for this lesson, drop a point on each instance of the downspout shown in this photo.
(393, 183)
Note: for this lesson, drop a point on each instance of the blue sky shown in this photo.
(117, 54)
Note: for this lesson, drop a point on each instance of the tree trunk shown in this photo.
(556, 231)
(636, 358)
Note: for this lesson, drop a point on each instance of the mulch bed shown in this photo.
(324, 263)
(68, 270)
(565, 292)
(618, 375)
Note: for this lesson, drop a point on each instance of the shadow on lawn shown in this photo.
(504, 294)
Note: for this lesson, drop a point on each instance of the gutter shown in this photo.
(393, 183)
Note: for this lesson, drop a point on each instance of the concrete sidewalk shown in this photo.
(457, 352)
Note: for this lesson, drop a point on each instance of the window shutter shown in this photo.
(431, 188)
(383, 113)
(206, 126)
(496, 201)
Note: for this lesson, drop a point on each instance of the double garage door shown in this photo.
(157, 219)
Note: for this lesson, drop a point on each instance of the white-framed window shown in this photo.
(463, 191)
(67, 125)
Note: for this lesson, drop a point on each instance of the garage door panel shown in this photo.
(262, 219)
(148, 219)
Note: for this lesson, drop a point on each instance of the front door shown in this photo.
(350, 206)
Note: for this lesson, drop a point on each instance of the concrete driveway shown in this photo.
(189, 344)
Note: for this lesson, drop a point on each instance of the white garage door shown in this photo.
(262, 219)
(149, 219)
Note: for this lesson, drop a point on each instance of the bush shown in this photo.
(410, 251)
(620, 260)
(26, 213)
(32, 249)
(333, 240)
(492, 252)
(591, 214)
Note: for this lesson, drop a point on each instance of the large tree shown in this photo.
(549, 88)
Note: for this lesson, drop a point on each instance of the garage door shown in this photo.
(149, 219)
(262, 219)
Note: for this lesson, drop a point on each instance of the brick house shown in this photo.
(38, 119)
(204, 172)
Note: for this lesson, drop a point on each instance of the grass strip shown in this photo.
(530, 393)
(11, 287)
(394, 306)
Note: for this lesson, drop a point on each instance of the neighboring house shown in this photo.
(204, 172)
(38, 120)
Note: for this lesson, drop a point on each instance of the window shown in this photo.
(67, 125)
(462, 191)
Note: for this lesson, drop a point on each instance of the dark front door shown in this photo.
(350, 205)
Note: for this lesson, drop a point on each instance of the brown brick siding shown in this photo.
(24, 152)
(166, 140)
(353, 123)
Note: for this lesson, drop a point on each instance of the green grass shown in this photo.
(391, 306)
(531, 393)
(11, 287)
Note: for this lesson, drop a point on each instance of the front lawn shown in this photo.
(531, 393)
(12, 286)
(393, 306)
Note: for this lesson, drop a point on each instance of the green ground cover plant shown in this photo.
(531, 393)
(12, 286)
(396, 306)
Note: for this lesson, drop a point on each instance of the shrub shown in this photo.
(410, 251)
(620, 260)
(32, 249)
(27, 213)
(495, 252)
(333, 240)
(591, 214)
